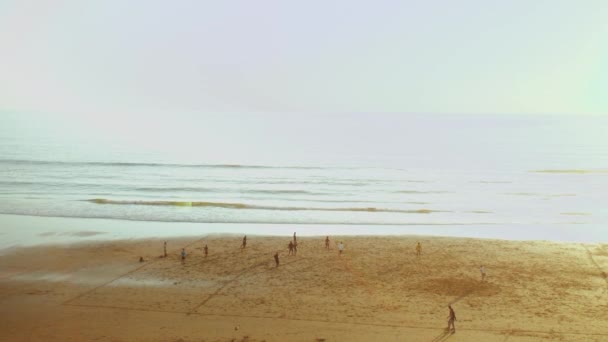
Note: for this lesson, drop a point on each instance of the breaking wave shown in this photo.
(256, 207)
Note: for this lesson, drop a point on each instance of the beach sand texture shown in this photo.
(377, 290)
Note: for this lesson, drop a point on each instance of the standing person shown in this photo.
(183, 254)
(276, 258)
(290, 246)
(295, 244)
(340, 248)
(244, 244)
(451, 319)
(206, 249)
(482, 270)
(327, 242)
(165, 249)
(418, 249)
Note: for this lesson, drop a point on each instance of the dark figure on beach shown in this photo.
(276, 258)
(327, 242)
(165, 250)
(418, 249)
(183, 254)
(206, 249)
(451, 319)
(141, 259)
(295, 244)
(290, 247)
(244, 242)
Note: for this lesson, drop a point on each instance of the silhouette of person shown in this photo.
(451, 319)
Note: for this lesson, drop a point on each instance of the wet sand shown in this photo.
(377, 290)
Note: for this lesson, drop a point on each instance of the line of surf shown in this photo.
(228, 205)
(138, 164)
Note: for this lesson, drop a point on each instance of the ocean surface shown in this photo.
(546, 184)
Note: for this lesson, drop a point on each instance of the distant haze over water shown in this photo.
(363, 169)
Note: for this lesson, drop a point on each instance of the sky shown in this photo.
(289, 81)
(138, 59)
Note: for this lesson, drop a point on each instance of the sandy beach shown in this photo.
(377, 290)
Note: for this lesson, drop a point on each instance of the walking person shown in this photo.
(276, 258)
(206, 249)
(295, 244)
(482, 270)
(183, 255)
(340, 248)
(327, 242)
(451, 320)
(244, 244)
(290, 246)
(165, 250)
(418, 249)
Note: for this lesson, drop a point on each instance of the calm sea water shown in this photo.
(515, 172)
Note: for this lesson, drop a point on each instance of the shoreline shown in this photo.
(378, 289)
(23, 230)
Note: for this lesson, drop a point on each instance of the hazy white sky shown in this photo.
(136, 59)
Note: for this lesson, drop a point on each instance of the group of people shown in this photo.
(293, 250)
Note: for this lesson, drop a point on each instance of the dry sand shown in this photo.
(378, 290)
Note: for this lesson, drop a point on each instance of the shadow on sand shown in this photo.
(445, 334)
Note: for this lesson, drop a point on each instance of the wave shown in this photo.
(572, 171)
(229, 190)
(421, 192)
(248, 221)
(126, 187)
(227, 205)
(134, 164)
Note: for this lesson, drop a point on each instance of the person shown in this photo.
(165, 249)
(451, 319)
(340, 248)
(418, 249)
(482, 270)
(244, 242)
(141, 259)
(206, 249)
(295, 244)
(327, 242)
(276, 258)
(183, 254)
(290, 246)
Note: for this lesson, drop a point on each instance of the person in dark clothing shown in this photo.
(165, 249)
(327, 242)
(451, 319)
(244, 244)
(206, 249)
(276, 258)
(290, 246)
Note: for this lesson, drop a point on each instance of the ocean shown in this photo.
(555, 183)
